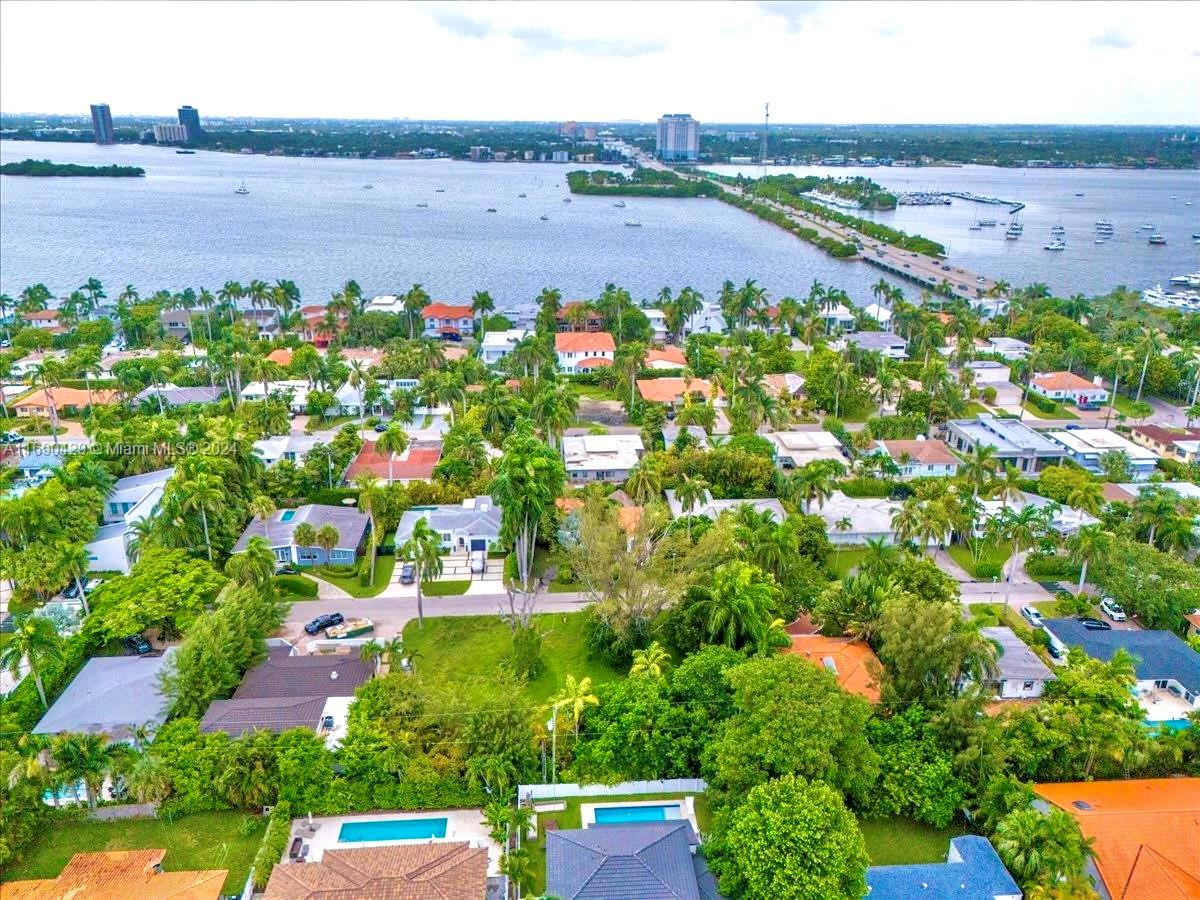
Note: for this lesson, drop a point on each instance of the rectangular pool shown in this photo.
(392, 830)
(615, 815)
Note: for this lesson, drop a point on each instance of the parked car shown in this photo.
(381, 427)
(136, 644)
(407, 574)
(1032, 615)
(11, 437)
(321, 622)
(478, 561)
(71, 591)
(89, 586)
(1112, 609)
(1095, 624)
(287, 569)
(1056, 650)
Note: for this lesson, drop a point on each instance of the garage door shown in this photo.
(478, 543)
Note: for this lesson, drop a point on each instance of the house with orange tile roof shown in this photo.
(666, 358)
(281, 356)
(853, 663)
(43, 318)
(1069, 387)
(672, 391)
(448, 321)
(116, 875)
(1193, 623)
(415, 464)
(582, 351)
(1146, 834)
(66, 400)
(440, 870)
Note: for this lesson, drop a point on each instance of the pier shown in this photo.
(940, 198)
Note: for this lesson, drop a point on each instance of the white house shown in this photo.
(350, 399)
(658, 322)
(880, 314)
(707, 320)
(601, 457)
(294, 390)
(837, 318)
(1015, 442)
(130, 500)
(711, 507)
(1085, 446)
(444, 320)
(471, 525)
(1009, 348)
(291, 447)
(583, 351)
(1069, 387)
(920, 458)
(883, 342)
(1065, 520)
(1020, 674)
(498, 344)
(387, 303)
(867, 518)
(796, 449)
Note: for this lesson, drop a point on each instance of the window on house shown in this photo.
(1027, 686)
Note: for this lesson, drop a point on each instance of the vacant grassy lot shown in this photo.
(217, 840)
(469, 651)
(892, 842)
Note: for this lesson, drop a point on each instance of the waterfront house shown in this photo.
(279, 533)
(658, 322)
(176, 323)
(448, 321)
(1086, 446)
(707, 320)
(498, 344)
(796, 449)
(1020, 673)
(920, 458)
(111, 695)
(1068, 387)
(466, 527)
(972, 871)
(601, 457)
(583, 351)
(45, 319)
(837, 318)
(1016, 443)
(386, 303)
(575, 315)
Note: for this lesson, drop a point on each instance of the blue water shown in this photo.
(392, 830)
(614, 815)
(288, 515)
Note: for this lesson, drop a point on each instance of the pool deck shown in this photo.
(461, 825)
(687, 809)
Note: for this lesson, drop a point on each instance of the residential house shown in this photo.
(172, 395)
(471, 525)
(370, 357)
(176, 323)
(882, 342)
(837, 318)
(112, 695)
(498, 344)
(265, 322)
(279, 532)
(388, 303)
(1064, 520)
(601, 457)
(787, 384)
(293, 390)
(46, 319)
(852, 662)
(627, 862)
(672, 391)
(67, 401)
(990, 372)
(666, 358)
(1167, 669)
(972, 871)
(1009, 348)
(129, 501)
(1181, 444)
(881, 314)
(350, 400)
(582, 351)
(291, 690)
(437, 870)
(855, 520)
(711, 508)
(920, 458)
(796, 449)
(290, 447)
(670, 434)
(281, 356)
(1069, 387)
(658, 322)
(1016, 443)
(447, 321)
(576, 315)
(315, 326)
(1193, 623)
(1144, 834)
(24, 367)
(1086, 446)
(707, 320)
(1020, 673)
(112, 874)
(416, 463)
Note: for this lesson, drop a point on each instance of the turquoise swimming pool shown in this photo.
(616, 815)
(392, 830)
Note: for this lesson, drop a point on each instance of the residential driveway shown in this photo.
(1024, 590)
(327, 591)
(947, 564)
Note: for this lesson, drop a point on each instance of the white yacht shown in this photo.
(1157, 240)
(1055, 245)
(987, 223)
(1057, 229)
(1147, 227)
(1011, 235)
(633, 223)
(1192, 280)
(620, 204)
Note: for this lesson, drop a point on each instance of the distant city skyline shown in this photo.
(1117, 63)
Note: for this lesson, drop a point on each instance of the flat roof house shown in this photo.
(920, 458)
(1015, 442)
(349, 400)
(796, 449)
(115, 874)
(989, 372)
(1069, 387)
(601, 457)
(441, 870)
(972, 871)
(670, 434)
(496, 345)
(1085, 446)
(1167, 669)
(294, 391)
(583, 351)
(883, 342)
(472, 525)
(447, 321)
(1010, 348)
(111, 695)
(289, 690)
(1065, 520)
(1020, 673)
(279, 531)
(1144, 834)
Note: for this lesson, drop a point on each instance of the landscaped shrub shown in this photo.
(296, 584)
(896, 428)
(1045, 404)
(1051, 567)
(987, 569)
(988, 394)
(274, 842)
(867, 487)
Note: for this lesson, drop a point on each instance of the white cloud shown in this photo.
(1110, 37)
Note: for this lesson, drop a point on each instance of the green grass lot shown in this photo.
(594, 392)
(1124, 404)
(973, 409)
(857, 416)
(841, 562)
(542, 560)
(468, 652)
(317, 423)
(892, 842)
(445, 588)
(997, 555)
(213, 840)
(349, 583)
(570, 818)
(1060, 412)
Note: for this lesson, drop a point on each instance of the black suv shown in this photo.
(71, 591)
(1095, 625)
(137, 644)
(320, 623)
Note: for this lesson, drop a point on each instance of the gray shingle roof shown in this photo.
(1159, 654)
(483, 519)
(236, 717)
(111, 695)
(281, 675)
(180, 396)
(613, 862)
(350, 523)
(1016, 660)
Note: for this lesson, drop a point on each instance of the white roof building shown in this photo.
(1085, 446)
(130, 500)
(601, 457)
(1066, 520)
(712, 508)
(795, 449)
(498, 344)
(868, 517)
(296, 388)
(385, 303)
(291, 447)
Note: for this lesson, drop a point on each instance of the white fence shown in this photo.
(531, 792)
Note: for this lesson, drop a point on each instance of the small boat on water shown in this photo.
(1147, 227)
(1193, 279)
(242, 189)
(439, 190)
(1079, 193)
(1100, 241)
(520, 195)
(975, 227)
(544, 218)
(987, 223)
(1058, 229)
(1157, 240)
(620, 204)
(1011, 235)
(422, 205)
(566, 199)
(1055, 245)
(367, 187)
(633, 223)
(491, 209)
(186, 152)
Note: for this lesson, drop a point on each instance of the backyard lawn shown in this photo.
(213, 840)
(993, 557)
(892, 842)
(841, 562)
(468, 651)
(973, 409)
(1060, 412)
(349, 583)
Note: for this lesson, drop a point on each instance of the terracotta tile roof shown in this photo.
(568, 505)
(1146, 833)
(629, 518)
(451, 354)
(1193, 618)
(930, 453)
(415, 464)
(281, 356)
(584, 342)
(1064, 381)
(446, 311)
(42, 315)
(117, 875)
(440, 871)
(849, 660)
(65, 396)
(593, 362)
(1161, 435)
(372, 356)
(669, 390)
(1114, 493)
(671, 355)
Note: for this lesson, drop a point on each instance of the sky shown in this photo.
(815, 62)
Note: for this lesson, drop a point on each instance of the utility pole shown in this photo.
(762, 150)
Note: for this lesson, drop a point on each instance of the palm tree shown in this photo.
(327, 538)
(203, 493)
(652, 662)
(644, 483)
(369, 494)
(423, 549)
(34, 642)
(304, 535)
(1085, 545)
(739, 604)
(71, 561)
(692, 492)
(575, 698)
(812, 482)
(1121, 357)
(980, 468)
(393, 440)
(629, 362)
(1009, 487)
(841, 376)
(842, 525)
(262, 508)
(48, 375)
(1152, 340)
(1023, 529)
(1087, 496)
(1154, 506)
(554, 408)
(89, 758)
(482, 304)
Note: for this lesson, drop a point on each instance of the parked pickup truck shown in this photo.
(351, 628)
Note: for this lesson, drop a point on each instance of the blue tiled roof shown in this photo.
(648, 861)
(973, 871)
(1159, 654)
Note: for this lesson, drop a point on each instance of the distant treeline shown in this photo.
(43, 168)
(641, 183)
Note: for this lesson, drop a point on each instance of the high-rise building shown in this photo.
(170, 133)
(189, 118)
(678, 138)
(102, 126)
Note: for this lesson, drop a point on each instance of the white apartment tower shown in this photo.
(678, 138)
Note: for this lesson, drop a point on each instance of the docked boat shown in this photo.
(439, 190)
(1104, 229)
(1103, 223)
(1187, 300)
(1100, 241)
(1055, 245)
(620, 204)
(1193, 279)
(975, 227)
(242, 189)
(1147, 227)
(566, 199)
(633, 223)
(1079, 193)
(422, 205)
(987, 223)
(367, 187)
(1157, 239)
(1058, 229)
(1011, 235)
(186, 152)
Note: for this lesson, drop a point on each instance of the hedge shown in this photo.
(867, 487)
(296, 585)
(274, 842)
(1051, 567)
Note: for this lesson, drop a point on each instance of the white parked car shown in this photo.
(478, 561)
(1112, 609)
(1032, 616)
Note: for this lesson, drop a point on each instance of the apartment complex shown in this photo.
(102, 126)
(678, 138)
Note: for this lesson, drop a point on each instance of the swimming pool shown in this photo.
(615, 815)
(392, 830)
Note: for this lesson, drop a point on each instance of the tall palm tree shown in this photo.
(1120, 358)
(304, 535)
(1022, 529)
(1087, 496)
(481, 305)
(369, 494)
(553, 409)
(48, 375)
(203, 494)
(644, 482)
(327, 538)
(630, 360)
(1008, 488)
(35, 643)
(651, 662)
(1154, 506)
(980, 468)
(692, 491)
(393, 440)
(1152, 341)
(423, 549)
(262, 508)
(738, 607)
(841, 376)
(1085, 545)
(574, 698)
